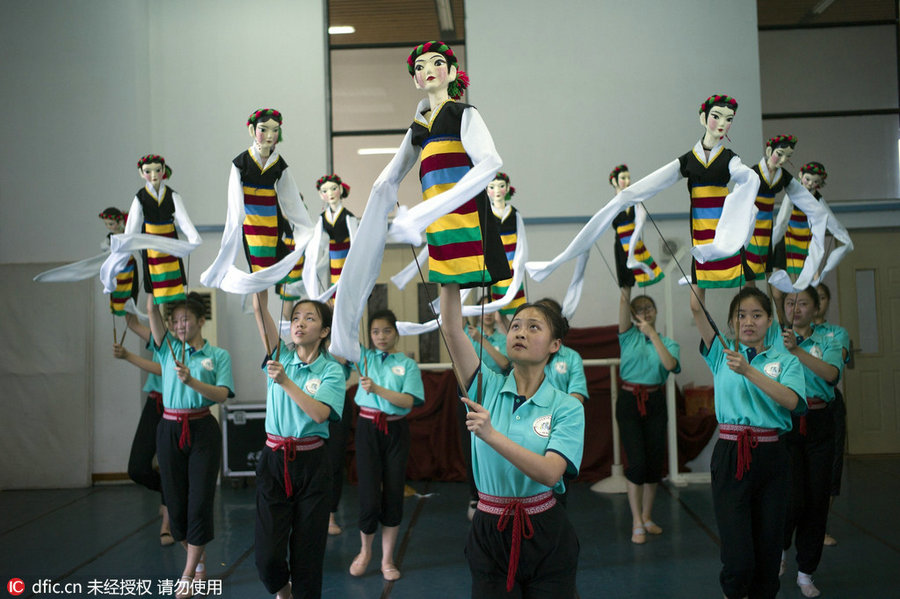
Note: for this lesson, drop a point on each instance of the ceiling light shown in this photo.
(821, 6)
(341, 29)
(444, 15)
(374, 151)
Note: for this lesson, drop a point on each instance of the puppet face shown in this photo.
(113, 225)
(330, 192)
(775, 158)
(752, 322)
(153, 173)
(530, 339)
(496, 191)
(811, 182)
(621, 181)
(718, 122)
(799, 309)
(384, 335)
(265, 134)
(433, 73)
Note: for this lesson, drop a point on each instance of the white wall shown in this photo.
(89, 87)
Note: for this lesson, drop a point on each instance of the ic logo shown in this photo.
(15, 586)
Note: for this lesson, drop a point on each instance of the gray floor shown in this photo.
(109, 534)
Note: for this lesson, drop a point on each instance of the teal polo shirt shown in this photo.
(498, 341)
(565, 371)
(738, 401)
(550, 420)
(640, 361)
(828, 349)
(839, 334)
(209, 364)
(323, 380)
(397, 372)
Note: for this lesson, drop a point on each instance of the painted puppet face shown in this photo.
(775, 158)
(432, 72)
(384, 335)
(496, 191)
(330, 192)
(799, 309)
(530, 339)
(751, 322)
(718, 122)
(153, 173)
(265, 134)
(113, 225)
(621, 181)
(811, 182)
(306, 325)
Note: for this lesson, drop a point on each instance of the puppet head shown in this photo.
(153, 169)
(434, 67)
(716, 114)
(114, 220)
(812, 176)
(500, 191)
(779, 150)
(620, 178)
(332, 190)
(264, 126)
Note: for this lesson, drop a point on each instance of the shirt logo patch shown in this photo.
(208, 364)
(541, 426)
(399, 369)
(772, 369)
(561, 367)
(311, 386)
(815, 351)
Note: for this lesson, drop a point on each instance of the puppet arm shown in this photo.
(817, 214)
(782, 219)
(184, 221)
(640, 191)
(231, 235)
(117, 259)
(313, 259)
(738, 217)
(478, 144)
(841, 235)
(364, 259)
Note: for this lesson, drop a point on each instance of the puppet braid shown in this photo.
(155, 159)
(264, 114)
(720, 100)
(781, 141)
(814, 168)
(456, 88)
(334, 178)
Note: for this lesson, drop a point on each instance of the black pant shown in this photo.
(547, 562)
(189, 476)
(297, 524)
(336, 448)
(812, 460)
(143, 448)
(381, 467)
(839, 411)
(465, 442)
(643, 437)
(750, 515)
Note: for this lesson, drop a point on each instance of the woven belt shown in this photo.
(380, 418)
(747, 437)
(641, 393)
(520, 508)
(157, 397)
(183, 417)
(290, 446)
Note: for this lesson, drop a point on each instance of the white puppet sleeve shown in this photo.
(419, 262)
(841, 235)
(640, 218)
(782, 219)
(643, 190)
(364, 259)
(817, 216)
(738, 217)
(231, 235)
(117, 260)
(409, 224)
(312, 263)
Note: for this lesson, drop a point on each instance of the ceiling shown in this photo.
(380, 22)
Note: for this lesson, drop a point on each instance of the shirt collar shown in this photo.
(162, 191)
(294, 360)
(700, 153)
(540, 398)
(254, 153)
(770, 178)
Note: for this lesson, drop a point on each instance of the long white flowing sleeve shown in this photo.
(817, 215)
(573, 293)
(231, 235)
(75, 271)
(364, 259)
(402, 278)
(782, 219)
(409, 224)
(116, 260)
(841, 235)
(642, 190)
(316, 252)
(738, 217)
(640, 218)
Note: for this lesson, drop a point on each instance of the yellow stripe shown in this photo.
(708, 191)
(165, 291)
(719, 275)
(162, 268)
(459, 265)
(261, 221)
(159, 229)
(442, 147)
(261, 240)
(452, 221)
(508, 239)
(259, 191)
(625, 228)
(436, 189)
(705, 224)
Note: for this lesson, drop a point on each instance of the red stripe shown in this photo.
(794, 256)
(438, 161)
(264, 231)
(800, 237)
(339, 245)
(167, 283)
(263, 261)
(701, 234)
(463, 249)
(720, 264)
(711, 202)
(255, 200)
(755, 258)
(509, 247)
(762, 231)
(167, 259)
(467, 208)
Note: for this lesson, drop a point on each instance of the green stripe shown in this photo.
(178, 297)
(451, 236)
(262, 251)
(461, 278)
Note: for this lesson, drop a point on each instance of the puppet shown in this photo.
(721, 221)
(458, 161)
(335, 232)
(150, 227)
(512, 233)
(265, 213)
(642, 268)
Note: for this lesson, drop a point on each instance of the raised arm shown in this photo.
(461, 351)
(120, 353)
(157, 326)
(624, 309)
(707, 334)
(268, 331)
(137, 327)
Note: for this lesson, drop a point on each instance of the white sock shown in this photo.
(803, 578)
